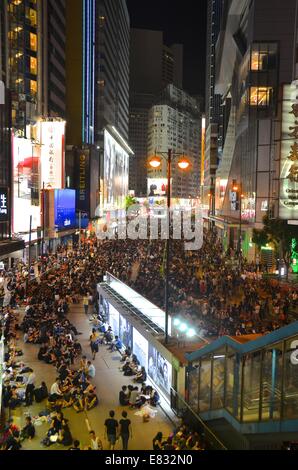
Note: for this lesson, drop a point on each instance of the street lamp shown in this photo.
(184, 164)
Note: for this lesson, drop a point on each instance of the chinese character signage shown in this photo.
(288, 202)
(4, 205)
(52, 153)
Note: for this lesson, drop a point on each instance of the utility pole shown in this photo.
(168, 243)
(29, 260)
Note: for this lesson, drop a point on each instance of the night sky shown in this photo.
(182, 21)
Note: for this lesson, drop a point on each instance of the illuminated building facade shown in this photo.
(254, 62)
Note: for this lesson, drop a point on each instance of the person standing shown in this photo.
(94, 340)
(125, 430)
(95, 442)
(29, 393)
(86, 303)
(111, 426)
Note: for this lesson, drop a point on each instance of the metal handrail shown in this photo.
(212, 439)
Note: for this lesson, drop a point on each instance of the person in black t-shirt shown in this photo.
(125, 430)
(76, 445)
(111, 426)
(123, 396)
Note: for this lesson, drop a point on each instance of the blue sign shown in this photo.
(65, 209)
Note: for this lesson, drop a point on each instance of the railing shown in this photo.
(183, 410)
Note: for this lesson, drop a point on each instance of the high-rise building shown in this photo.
(257, 175)
(54, 44)
(97, 63)
(213, 103)
(35, 65)
(112, 66)
(175, 123)
(153, 65)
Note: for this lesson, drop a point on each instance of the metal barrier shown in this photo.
(192, 419)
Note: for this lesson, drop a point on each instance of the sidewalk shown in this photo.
(108, 381)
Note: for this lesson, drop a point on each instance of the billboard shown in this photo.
(157, 186)
(125, 332)
(52, 153)
(116, 172)
(82, 177)
(65, 209)
(288, 199)
(140, 348)
(159, 369)
(26, 184)
(114, 320)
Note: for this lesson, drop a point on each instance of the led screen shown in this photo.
(159, 369)
(140, 348)
(116, 171)
(65, 209)
(26, 186)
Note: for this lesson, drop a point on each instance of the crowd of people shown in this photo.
(217, 296)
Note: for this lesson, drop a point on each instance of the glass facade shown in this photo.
(258, 386)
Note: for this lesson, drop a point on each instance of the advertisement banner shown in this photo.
(140, 348)
(125, 332)
(4, 205)
(65, 209)
(52, 153)
(26, 185)
(159, 369)
(82, 180)
(114, 320)
(116, 173)
(288, 201)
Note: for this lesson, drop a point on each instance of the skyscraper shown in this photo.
(97, 87)
(153, 65)
(54, 43)
(175, 123)
(112, 66)
(213, 101)
(257, 174)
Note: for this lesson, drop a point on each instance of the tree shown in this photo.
(130, 201)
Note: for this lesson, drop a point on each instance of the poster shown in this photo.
(140, 348)
(159, 369)
(125, 333)
(114, 320)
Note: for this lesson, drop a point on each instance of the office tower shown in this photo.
(175, 123)
(153, 65)
(257, 172)
(97, 63)
(213, 103)
(54, 44)
(112, 67)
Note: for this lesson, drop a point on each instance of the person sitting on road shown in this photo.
(28, 431)
(141, 376)
(91, 400)
(123, 396)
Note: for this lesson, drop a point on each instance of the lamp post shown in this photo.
(238, 190)
(183, 164)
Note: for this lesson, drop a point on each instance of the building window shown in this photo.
(33, 42)
(33, 87)
(260, 96)
(263, 57)
(33, 65)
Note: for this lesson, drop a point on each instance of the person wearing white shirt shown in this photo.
(55, 391)
(30, 386)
